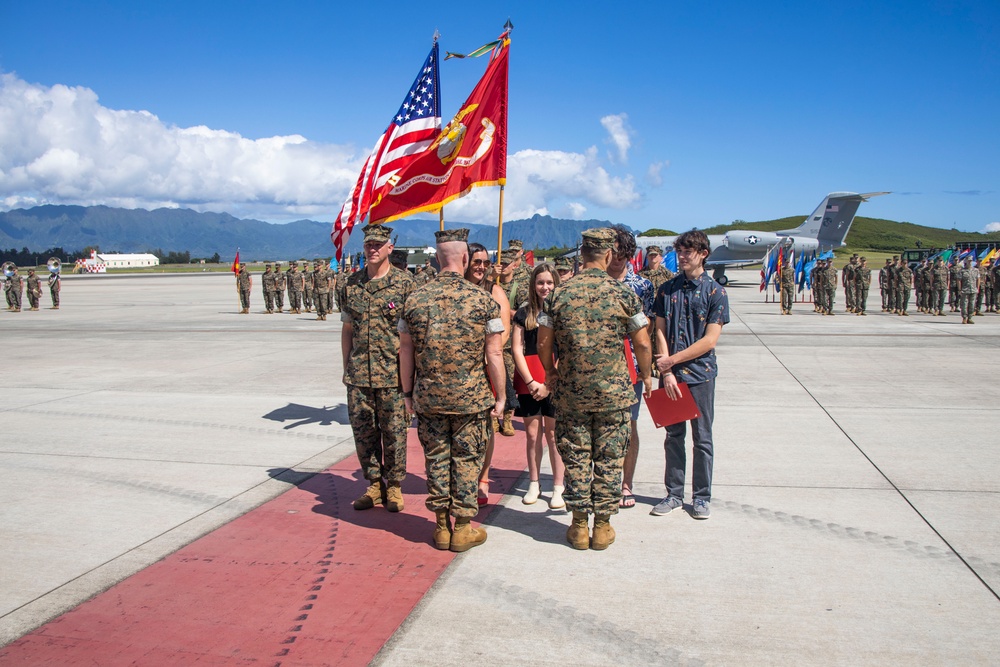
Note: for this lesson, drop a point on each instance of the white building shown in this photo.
(127, 261)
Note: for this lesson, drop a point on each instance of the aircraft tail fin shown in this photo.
(831, 221)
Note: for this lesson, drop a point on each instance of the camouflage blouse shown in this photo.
(590, 317)
(448, 320)
(373, 309)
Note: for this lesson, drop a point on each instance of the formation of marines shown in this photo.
(961, 284)
(14, 287)
(307, 289)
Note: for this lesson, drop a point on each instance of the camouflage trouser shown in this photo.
(33, 299)
(54, 293)
(245, 298)
(307, 298)
(849, 295)
(269, 300)
(454, 452)
(321, 303)
(15, 298)
(902, 299)
(965, 303)
(937, 300)
(379, 421)
(831, 294)
(329, 302)
(985, 296)
(953, 296)
(885, 297)
(295, 299)
(787, 296)
(279, 298)
(861, 299)
(592, 446)
(508, 364)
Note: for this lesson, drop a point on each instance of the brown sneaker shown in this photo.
(394, 497)
(604, 534)
(465, 536)
(578, 534)
(374, 495)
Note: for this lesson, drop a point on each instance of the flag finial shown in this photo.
(437, 36)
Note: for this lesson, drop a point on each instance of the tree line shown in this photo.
(26, 257)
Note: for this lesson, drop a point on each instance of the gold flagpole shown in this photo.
(500, 229)
(441, 219)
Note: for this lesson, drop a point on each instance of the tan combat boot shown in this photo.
(442, 531)
(465, 536)
(578, 534)
(374, 495)
(508, 423)
(394, 497)
(604, 534)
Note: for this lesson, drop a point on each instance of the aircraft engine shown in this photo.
(745, 241)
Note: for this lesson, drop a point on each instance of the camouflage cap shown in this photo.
(654, 250)
(599, 238)
(563, 264)
(398, 256)
(895, 258)
(508, 255)
(267, 266)
(377, 233)
(515, 244)
(293, 263)
(450, 235)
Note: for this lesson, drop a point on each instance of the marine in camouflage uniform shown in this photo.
(903, 282)
(321, 289)
(655, 272)
(371, 303)
(926, 285)
(448, 327)
(939, 286)
(892, 275)
(814, 281)
(279, 287)
(996, 287)
(968, 286)
(954, 280)
(985, 294)
(831, 286)
(34, 285)
(55, 285)
(564, 267)
(14, 287)
(587, 321)
(307, 288)
(884, 282)
(848, 280)
(267, 286)
(294, 283)
(243, 284)
(787, 288)
(522, 272)
(863, 282)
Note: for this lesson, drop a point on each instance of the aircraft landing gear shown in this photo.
(719, 275)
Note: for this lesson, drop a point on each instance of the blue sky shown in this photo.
(668, 114)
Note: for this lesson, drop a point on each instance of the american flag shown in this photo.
(411, 131)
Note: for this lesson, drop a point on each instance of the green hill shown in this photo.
(873, 234)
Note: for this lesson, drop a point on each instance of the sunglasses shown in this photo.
(480, 262)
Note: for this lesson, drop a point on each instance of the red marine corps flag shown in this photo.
(470, 151)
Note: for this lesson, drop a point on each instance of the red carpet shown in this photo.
(302, 580)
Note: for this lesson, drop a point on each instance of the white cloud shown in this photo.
(620, 136)
(575, 210)
(59, 145)
(653, 174)
(992, 227)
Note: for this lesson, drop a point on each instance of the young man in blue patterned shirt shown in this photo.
(690, 312)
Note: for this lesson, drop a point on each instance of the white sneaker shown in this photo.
(556, 502)
(532, 495)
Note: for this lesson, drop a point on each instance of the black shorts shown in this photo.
(529, 407)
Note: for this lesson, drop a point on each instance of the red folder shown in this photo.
(666, 412)
(537, 373)
(633, 374)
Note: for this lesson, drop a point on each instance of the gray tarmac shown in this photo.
(855, 502)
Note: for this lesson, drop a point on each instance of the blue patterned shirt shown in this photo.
(643, 288)
(688, 307)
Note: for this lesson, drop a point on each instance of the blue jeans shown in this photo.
(701, 432)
